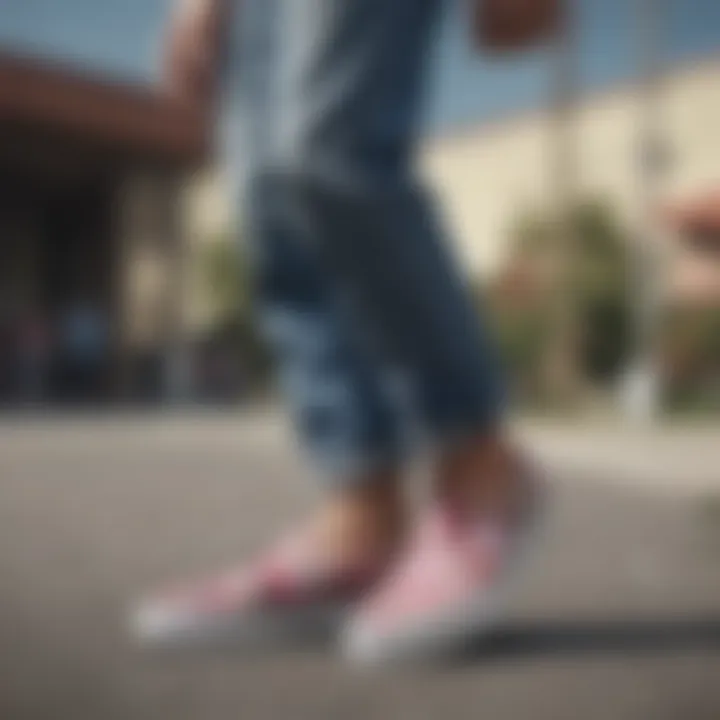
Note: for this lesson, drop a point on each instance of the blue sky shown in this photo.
(120, 36)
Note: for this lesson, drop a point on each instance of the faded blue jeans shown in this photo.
(357, 292)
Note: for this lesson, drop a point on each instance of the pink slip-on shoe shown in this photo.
(446, 588)
(281, 595)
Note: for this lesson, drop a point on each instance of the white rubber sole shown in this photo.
(160, 629)
(432, 638)
(451, 629)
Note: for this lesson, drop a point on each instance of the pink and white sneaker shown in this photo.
(284, 594)
(445, 588)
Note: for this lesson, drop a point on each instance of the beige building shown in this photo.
(209, 216)
(487, 174)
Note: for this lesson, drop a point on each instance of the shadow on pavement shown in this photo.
(543, 638)
(522, 640)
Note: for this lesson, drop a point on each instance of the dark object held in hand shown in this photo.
(510, 25)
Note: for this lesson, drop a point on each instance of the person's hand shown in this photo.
(507, 25)
(192, 49)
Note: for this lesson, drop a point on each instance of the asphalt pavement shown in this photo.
(618, 618)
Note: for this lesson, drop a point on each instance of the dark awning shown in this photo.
(43, 99)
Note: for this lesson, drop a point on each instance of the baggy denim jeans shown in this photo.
(357, 292)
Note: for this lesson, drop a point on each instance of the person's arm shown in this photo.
(507, 25)
(193, 48)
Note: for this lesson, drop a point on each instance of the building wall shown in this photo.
(156, 280)
(209, 217)
(487, 175)
(18, 260)
(147, 234)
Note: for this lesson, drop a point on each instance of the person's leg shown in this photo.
(340, 393)
(344, 187)
(352, 80)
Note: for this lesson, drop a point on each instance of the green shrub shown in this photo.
(691, 352)
(597, 291)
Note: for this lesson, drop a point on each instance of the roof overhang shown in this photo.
(41, 99)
